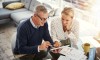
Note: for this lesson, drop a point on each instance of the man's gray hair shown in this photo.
(40, 8)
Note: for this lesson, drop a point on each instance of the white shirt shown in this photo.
(33, 23)
(58, 34)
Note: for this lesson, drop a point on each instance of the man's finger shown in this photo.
(48, 43)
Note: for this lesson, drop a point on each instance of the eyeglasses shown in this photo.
(43, 19)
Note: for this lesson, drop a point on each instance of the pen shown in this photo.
(62, 54)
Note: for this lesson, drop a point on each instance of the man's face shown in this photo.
(67, 18)
(42, 18)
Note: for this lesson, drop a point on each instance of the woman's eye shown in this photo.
(72, 17)
(62, 19)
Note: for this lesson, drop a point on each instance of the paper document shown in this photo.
(71, 54)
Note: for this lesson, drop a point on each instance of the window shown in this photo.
(88, 10)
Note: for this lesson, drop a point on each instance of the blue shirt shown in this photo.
(28, 38)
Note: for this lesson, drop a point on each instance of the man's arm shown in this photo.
(46, 35)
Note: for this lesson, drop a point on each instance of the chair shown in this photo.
(13, 43)
(97, 53)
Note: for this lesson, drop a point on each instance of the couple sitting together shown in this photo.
(31, 32)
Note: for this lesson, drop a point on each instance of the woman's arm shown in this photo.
(53, 32)
(54, 35)
(74, 32)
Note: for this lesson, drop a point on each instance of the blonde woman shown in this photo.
(65, 27)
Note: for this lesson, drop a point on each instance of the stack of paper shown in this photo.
(71, 54)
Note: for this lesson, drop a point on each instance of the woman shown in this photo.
(65, 28)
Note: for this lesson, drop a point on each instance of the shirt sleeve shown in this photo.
(46, 35)
(38, 49)
(53, 32)
(74, 33)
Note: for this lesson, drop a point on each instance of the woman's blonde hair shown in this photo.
(67, 9)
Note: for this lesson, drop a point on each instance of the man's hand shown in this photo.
(44, 45)
(57, 44)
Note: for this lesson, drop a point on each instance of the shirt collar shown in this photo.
(33, 23)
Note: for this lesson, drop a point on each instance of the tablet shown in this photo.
(55, 48)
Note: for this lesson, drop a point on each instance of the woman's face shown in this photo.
(67, 18)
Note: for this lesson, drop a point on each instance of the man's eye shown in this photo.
(45, 18)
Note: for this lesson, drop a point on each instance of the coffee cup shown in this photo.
(86, 48)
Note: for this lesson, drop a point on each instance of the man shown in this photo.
(30, 35)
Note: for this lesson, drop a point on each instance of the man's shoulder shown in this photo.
(24, 24)
(45, 25)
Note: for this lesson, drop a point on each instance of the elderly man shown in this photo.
(30, 35)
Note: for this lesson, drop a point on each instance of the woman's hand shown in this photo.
(57, 44)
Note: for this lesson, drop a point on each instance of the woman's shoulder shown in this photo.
(75, 22)
(75, 25)
(56, 19)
